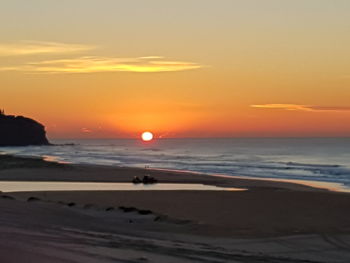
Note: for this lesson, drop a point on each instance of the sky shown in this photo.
(185, 68)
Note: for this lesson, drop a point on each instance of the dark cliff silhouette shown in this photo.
(21, 131)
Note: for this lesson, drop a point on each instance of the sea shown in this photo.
(312, 159)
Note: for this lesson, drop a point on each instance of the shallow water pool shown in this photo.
(24, 186)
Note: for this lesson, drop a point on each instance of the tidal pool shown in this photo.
(24, 186)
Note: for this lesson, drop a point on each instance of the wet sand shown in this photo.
(95, 173)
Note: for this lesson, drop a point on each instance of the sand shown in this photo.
(270, 222)
(257, 213)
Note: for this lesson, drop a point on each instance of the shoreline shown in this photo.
(277, 198)
(321, 185)
(293, 184)
(37, 170)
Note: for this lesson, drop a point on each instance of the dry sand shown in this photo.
(271, 222)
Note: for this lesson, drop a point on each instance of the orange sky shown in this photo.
(194, 68)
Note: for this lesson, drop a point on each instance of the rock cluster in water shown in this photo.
(21, 131)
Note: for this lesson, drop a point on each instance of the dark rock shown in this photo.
(71, 204)
(127, 209)
(145, 212)
(109, 209)
(32, 199)
(136, 180)
(8, 197)
(149, 180)
(21, 131)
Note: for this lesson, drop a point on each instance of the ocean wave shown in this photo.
(285, 159)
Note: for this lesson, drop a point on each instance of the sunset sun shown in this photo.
(147, 136)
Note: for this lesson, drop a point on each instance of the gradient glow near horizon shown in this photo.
(186, 68)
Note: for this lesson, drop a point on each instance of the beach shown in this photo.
(175, 131)
(269, 221)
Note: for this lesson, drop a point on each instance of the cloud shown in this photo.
(298, 107)
(84, 64)
(39, 47)
(327, 108)
(151, 57)
(92, 64)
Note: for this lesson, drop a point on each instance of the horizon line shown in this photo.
(224, 137)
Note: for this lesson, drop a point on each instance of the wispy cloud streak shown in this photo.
(298, 107)
(25, 48)
(92, 64)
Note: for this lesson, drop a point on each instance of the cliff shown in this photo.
(21, 131)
